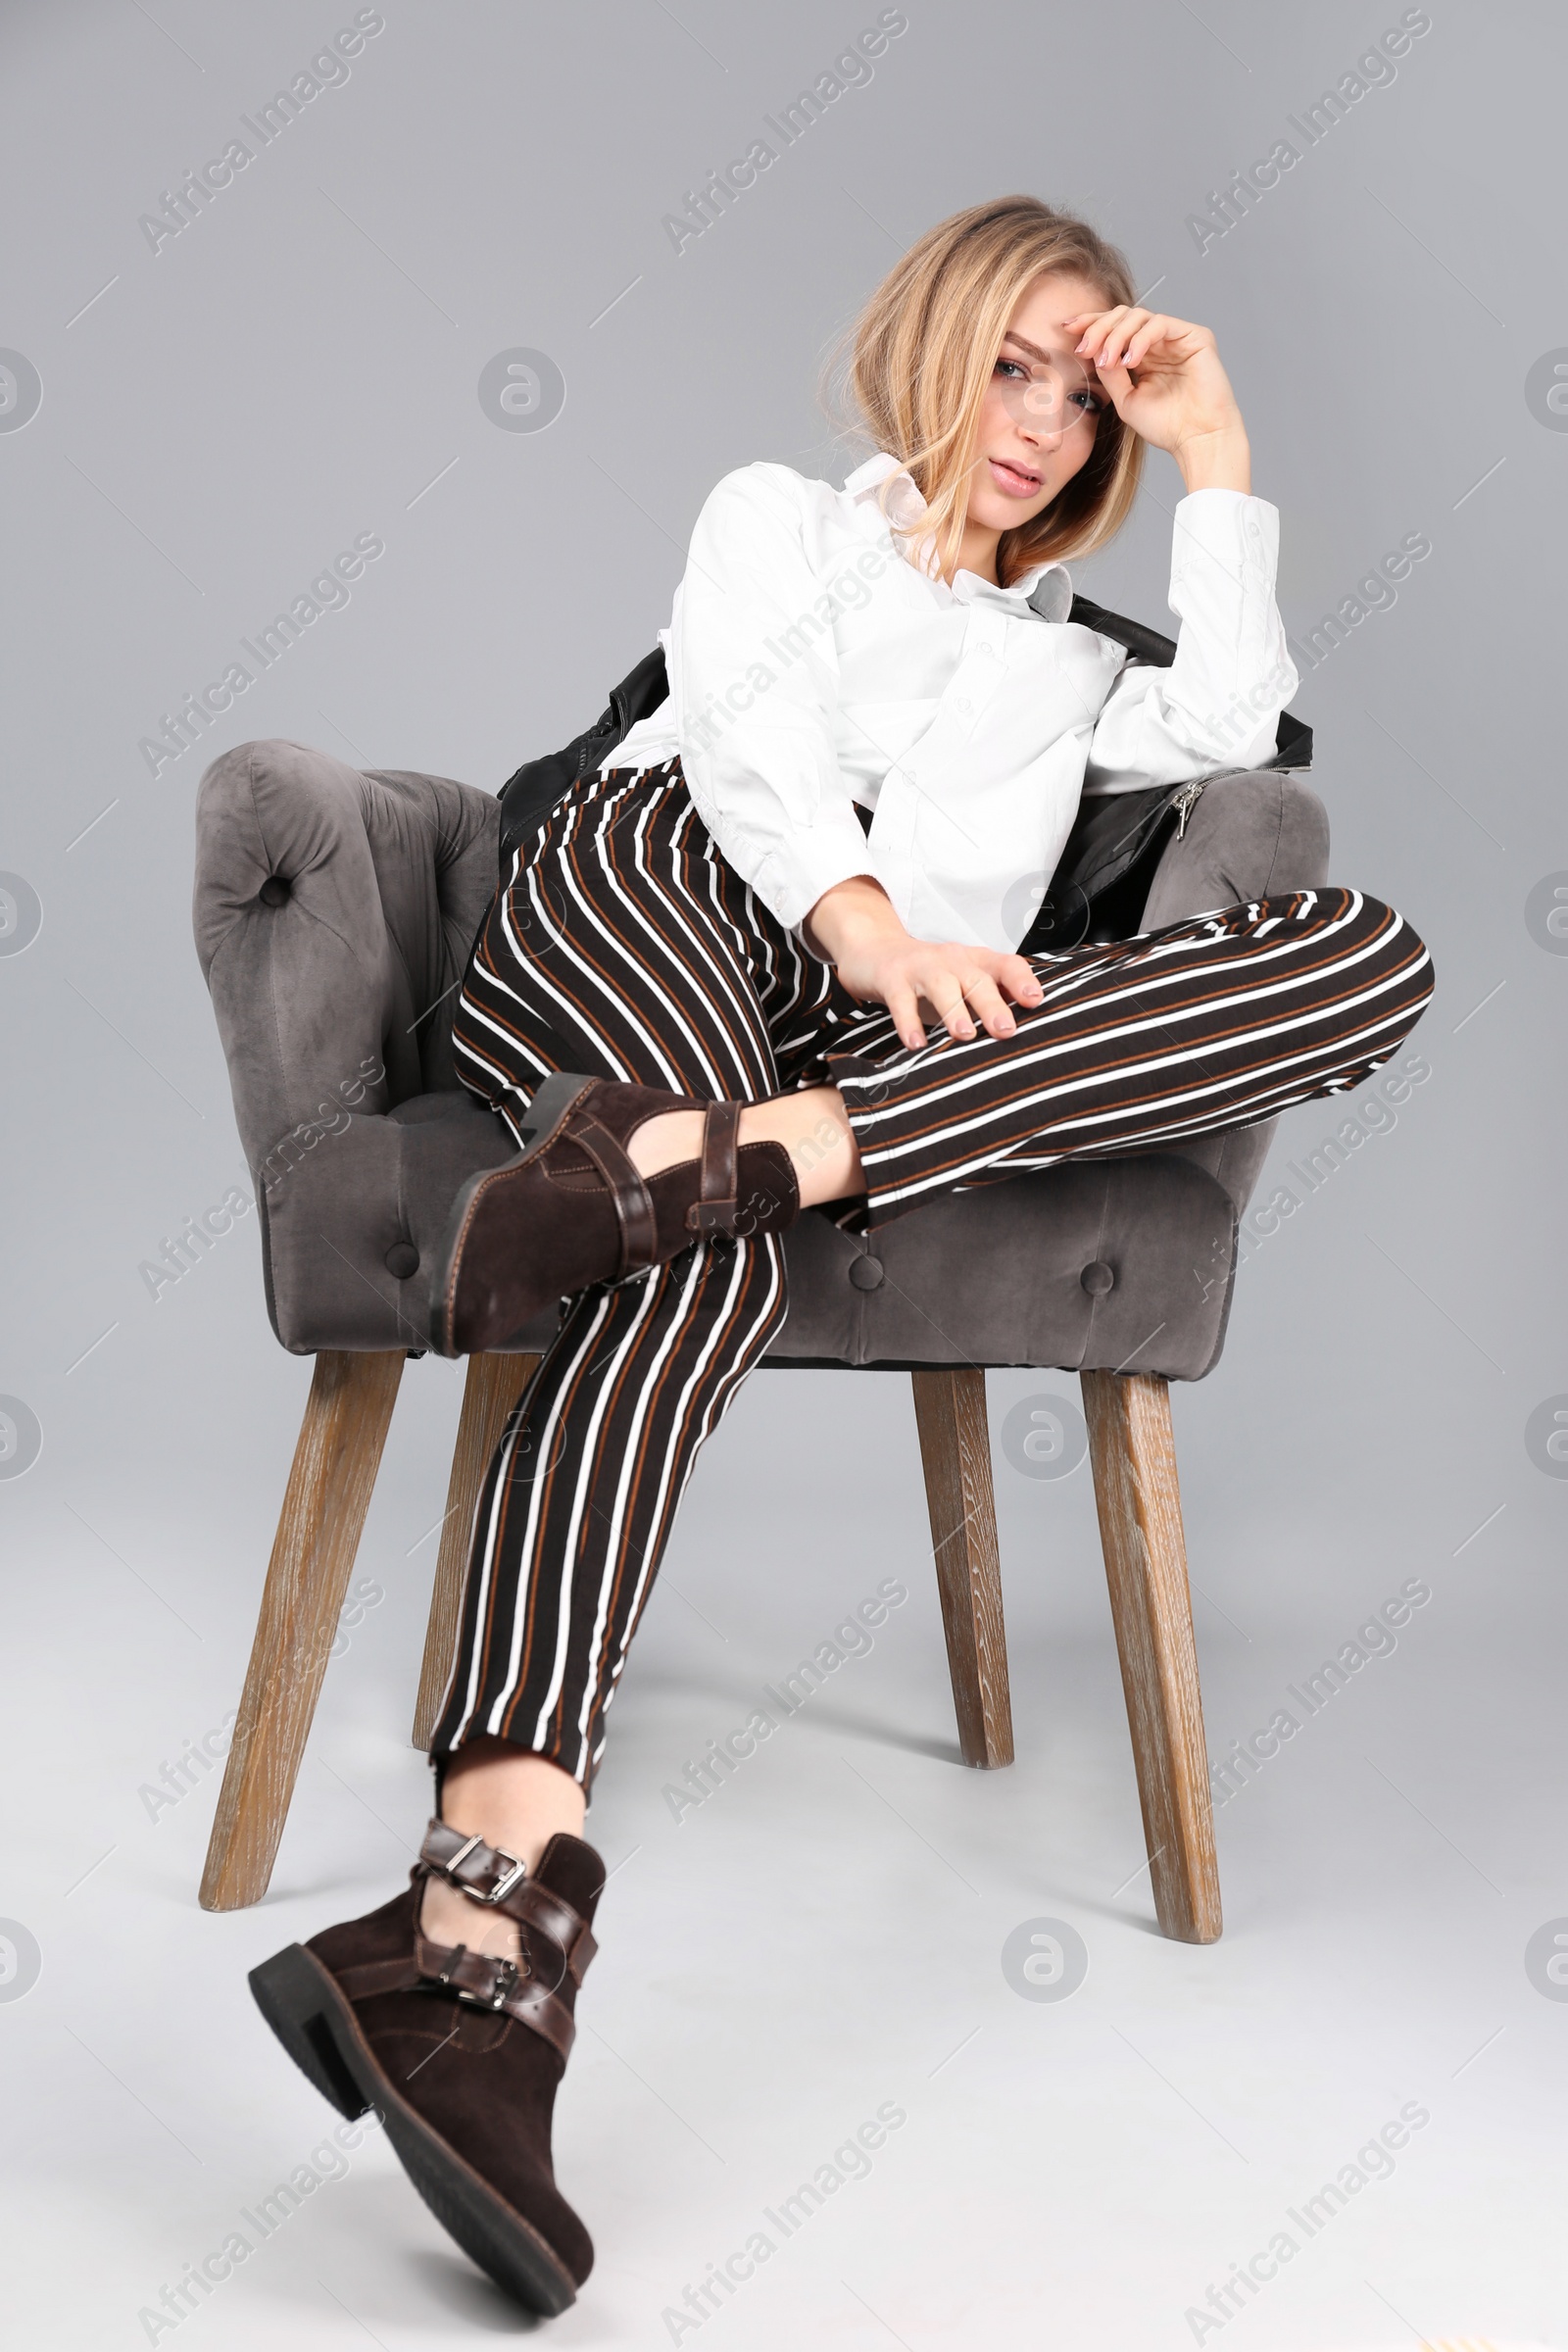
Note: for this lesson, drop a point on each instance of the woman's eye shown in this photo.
(1018, 370)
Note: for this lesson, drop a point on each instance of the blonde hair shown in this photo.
(924, 350)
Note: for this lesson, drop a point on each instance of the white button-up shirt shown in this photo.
(812, 665)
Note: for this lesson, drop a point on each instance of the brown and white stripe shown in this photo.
(622, 944)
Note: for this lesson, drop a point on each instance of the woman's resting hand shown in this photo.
(854, 925)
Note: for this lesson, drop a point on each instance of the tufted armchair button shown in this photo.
(273, 890)
(867, 1273)
(1097, 1278)
(403, 1259)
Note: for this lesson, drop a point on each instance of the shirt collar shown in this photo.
(1045, 589)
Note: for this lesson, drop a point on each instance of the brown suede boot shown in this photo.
(458, 2053)
(573, 1211)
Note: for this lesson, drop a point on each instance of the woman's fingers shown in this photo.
(943, 987)
(960, 989)
(986, 1006)
(1108, 335)
(1091, 327)
(1017, 975)
(1114, 354)
(1014, 976)
(904, 1013)
(949, 996)
(1143, 342)
(1123, 337)
(1096, 325)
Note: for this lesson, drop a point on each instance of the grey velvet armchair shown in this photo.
(333, 914)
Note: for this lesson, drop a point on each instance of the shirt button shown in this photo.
(962, 703)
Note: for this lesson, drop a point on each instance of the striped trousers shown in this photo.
(623, 945)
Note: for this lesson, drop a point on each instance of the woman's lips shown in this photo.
(1015, 480)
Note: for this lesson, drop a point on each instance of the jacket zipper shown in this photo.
(1186, 802)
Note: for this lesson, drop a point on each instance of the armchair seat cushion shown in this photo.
(352, 1226)
(1124, 1265)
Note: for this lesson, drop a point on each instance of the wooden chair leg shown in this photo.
(328, 1493)
(493, 1387)
(1134, 1458)
(956, 1451)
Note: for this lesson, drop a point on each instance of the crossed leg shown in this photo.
(1217, 1022)
(1199, 1028)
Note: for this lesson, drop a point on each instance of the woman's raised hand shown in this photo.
(964, 988)
(1164, 378)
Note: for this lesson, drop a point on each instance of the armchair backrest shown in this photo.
(333, 914)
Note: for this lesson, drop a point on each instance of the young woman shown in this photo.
(767, 960)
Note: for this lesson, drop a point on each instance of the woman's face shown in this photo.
(1041, 413)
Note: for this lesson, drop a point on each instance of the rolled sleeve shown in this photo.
(755, 677)
(1218, 703)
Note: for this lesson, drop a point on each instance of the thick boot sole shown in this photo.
(291, 1991)
(303, 2003)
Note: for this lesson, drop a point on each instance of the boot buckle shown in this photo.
(504, 1885)
(510, 1878)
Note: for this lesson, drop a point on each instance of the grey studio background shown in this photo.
(192, 427)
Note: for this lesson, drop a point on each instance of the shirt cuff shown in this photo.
(790, 879)
(1225, 542)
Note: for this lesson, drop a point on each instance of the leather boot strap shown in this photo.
(480, 1980)
(716, 1207)
(633, 1202)
(500, 1881)
(718, 1202)
(538, 1988)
